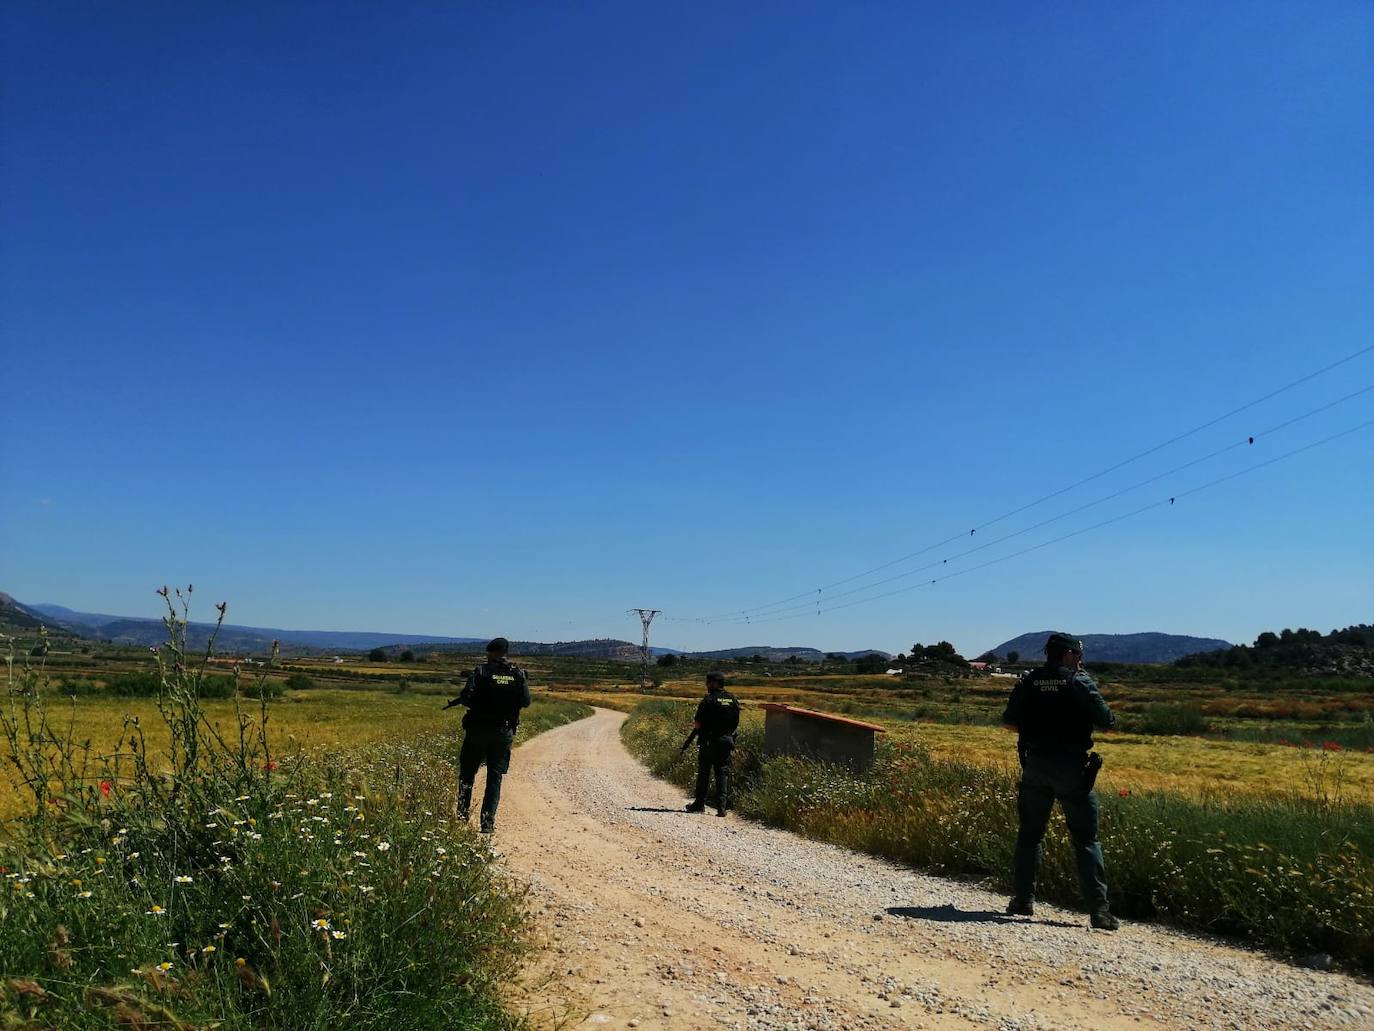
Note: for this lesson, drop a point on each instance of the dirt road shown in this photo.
(657, 918)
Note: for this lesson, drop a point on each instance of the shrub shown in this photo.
(299, 682)
(76, 687)
(1169, 718)
(135, 685)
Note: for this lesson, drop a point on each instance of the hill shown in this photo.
(17, 618)
(1142, 648)
(1348, 652)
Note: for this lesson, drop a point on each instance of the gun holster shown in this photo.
(1090, 767)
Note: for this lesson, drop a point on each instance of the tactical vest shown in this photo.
(718, 714)
(497, 693)
(1053, 715)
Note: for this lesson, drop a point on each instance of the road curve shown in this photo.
(651, 917)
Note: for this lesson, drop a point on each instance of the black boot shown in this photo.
(1020, 906)
(463, 804)
(491, 798)
(696, 807)
(1103, 920)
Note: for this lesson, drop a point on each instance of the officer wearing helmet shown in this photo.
(1053, 710)
(715, 723)
(494, 694)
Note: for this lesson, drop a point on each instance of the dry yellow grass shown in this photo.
(1189, 766)
(301, 719)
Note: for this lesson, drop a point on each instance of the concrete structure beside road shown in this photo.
(788, 730)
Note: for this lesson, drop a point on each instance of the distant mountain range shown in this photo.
(771, 653)
(127, 630)
(1147, 647)
(232, 638)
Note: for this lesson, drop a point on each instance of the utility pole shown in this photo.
(646, 616)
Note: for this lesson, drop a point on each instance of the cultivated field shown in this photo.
(960, 721)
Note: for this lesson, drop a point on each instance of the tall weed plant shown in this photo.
(1284, 872)
(226, 884)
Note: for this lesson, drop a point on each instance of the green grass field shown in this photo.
(304, 873)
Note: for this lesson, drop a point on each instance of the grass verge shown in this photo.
(221, 884)
(1288, 873)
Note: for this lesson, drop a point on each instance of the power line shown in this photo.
(1243, 442)
(814, 595)
(1163, 502)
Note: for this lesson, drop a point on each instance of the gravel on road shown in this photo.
(651, 917)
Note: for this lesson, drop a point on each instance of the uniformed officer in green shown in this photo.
(1054, 709)
(717, 719)
(494, 694)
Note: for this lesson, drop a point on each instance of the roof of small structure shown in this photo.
(824, 716)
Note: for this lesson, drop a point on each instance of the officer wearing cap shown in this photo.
(1054, 709)
(494, 694)
(714, 726)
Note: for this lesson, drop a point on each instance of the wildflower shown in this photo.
(319, 925)
(105, 788)
(239, 961)
(135, 855)
(1331, 746)
(1125, 792)
(338, 935)
(270, 765)
(182, 879)
(383, 846)
(99, 860)
(83, 894)
(209, 949)
(156, 910)
(164, 966)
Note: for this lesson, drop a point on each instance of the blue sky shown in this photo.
(477, 319)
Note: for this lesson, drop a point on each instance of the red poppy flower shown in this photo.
(106, 787)
(1331, 746)
(1125, 792)
(270, 765)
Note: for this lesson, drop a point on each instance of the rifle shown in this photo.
(464, 698)
(690, 738)
(1090, 768)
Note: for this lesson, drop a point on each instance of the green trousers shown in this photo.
(1044, 779)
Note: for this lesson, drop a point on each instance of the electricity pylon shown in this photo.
(646, 616)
